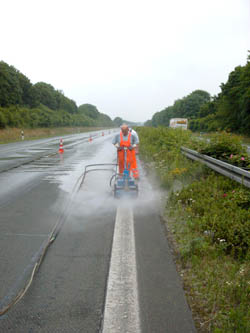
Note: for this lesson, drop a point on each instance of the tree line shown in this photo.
(118, 121)
(229, 110)
(23, 104)
(187, 107)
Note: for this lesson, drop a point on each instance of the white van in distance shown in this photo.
(178, 123)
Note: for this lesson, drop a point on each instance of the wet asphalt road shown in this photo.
(68, 292)
(15, 154)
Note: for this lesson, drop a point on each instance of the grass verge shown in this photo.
(211, 233)
(14, 134)
(208, 223)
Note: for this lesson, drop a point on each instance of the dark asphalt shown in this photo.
(24, 227)
(162, 301)
(68, 292)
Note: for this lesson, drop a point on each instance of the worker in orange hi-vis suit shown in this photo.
(128, 140)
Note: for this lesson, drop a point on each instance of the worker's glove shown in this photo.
(130, 148)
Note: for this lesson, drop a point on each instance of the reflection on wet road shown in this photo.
(69, 291)
(16, 154)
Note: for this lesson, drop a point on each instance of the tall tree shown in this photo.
(46, 95)
(10, 89)
(230, 110)
(89, 110)
(118, 121)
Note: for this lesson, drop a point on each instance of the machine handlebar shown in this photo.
(125, 148)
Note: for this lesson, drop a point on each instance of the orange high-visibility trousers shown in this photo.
(134, 169)
(131, 162)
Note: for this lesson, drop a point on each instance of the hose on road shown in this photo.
(43, 250)
(52, 236)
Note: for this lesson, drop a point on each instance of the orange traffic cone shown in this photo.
(61, 150)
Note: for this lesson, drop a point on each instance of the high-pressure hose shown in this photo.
(51, 238)
(41, 254)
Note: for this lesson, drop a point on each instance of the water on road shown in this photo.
(103, 243)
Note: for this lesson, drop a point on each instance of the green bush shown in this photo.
(42, 116)
(216, 204)
(226, 147)
(3, 120)
(219, 207)
(161, 147)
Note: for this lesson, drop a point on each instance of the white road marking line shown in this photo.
(121, 312)
(27, 235)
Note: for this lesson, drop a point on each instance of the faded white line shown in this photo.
(121, 312)
(27, 235)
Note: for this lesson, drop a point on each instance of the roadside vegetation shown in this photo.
(226, 147)
(8, 135)
(229, 110)
(207, 217)
(186, 107)
(27, 105)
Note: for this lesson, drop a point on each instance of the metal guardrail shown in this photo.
(239, 175)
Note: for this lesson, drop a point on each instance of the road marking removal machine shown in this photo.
(123, 185)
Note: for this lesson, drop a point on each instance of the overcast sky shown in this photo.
(130, 58)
